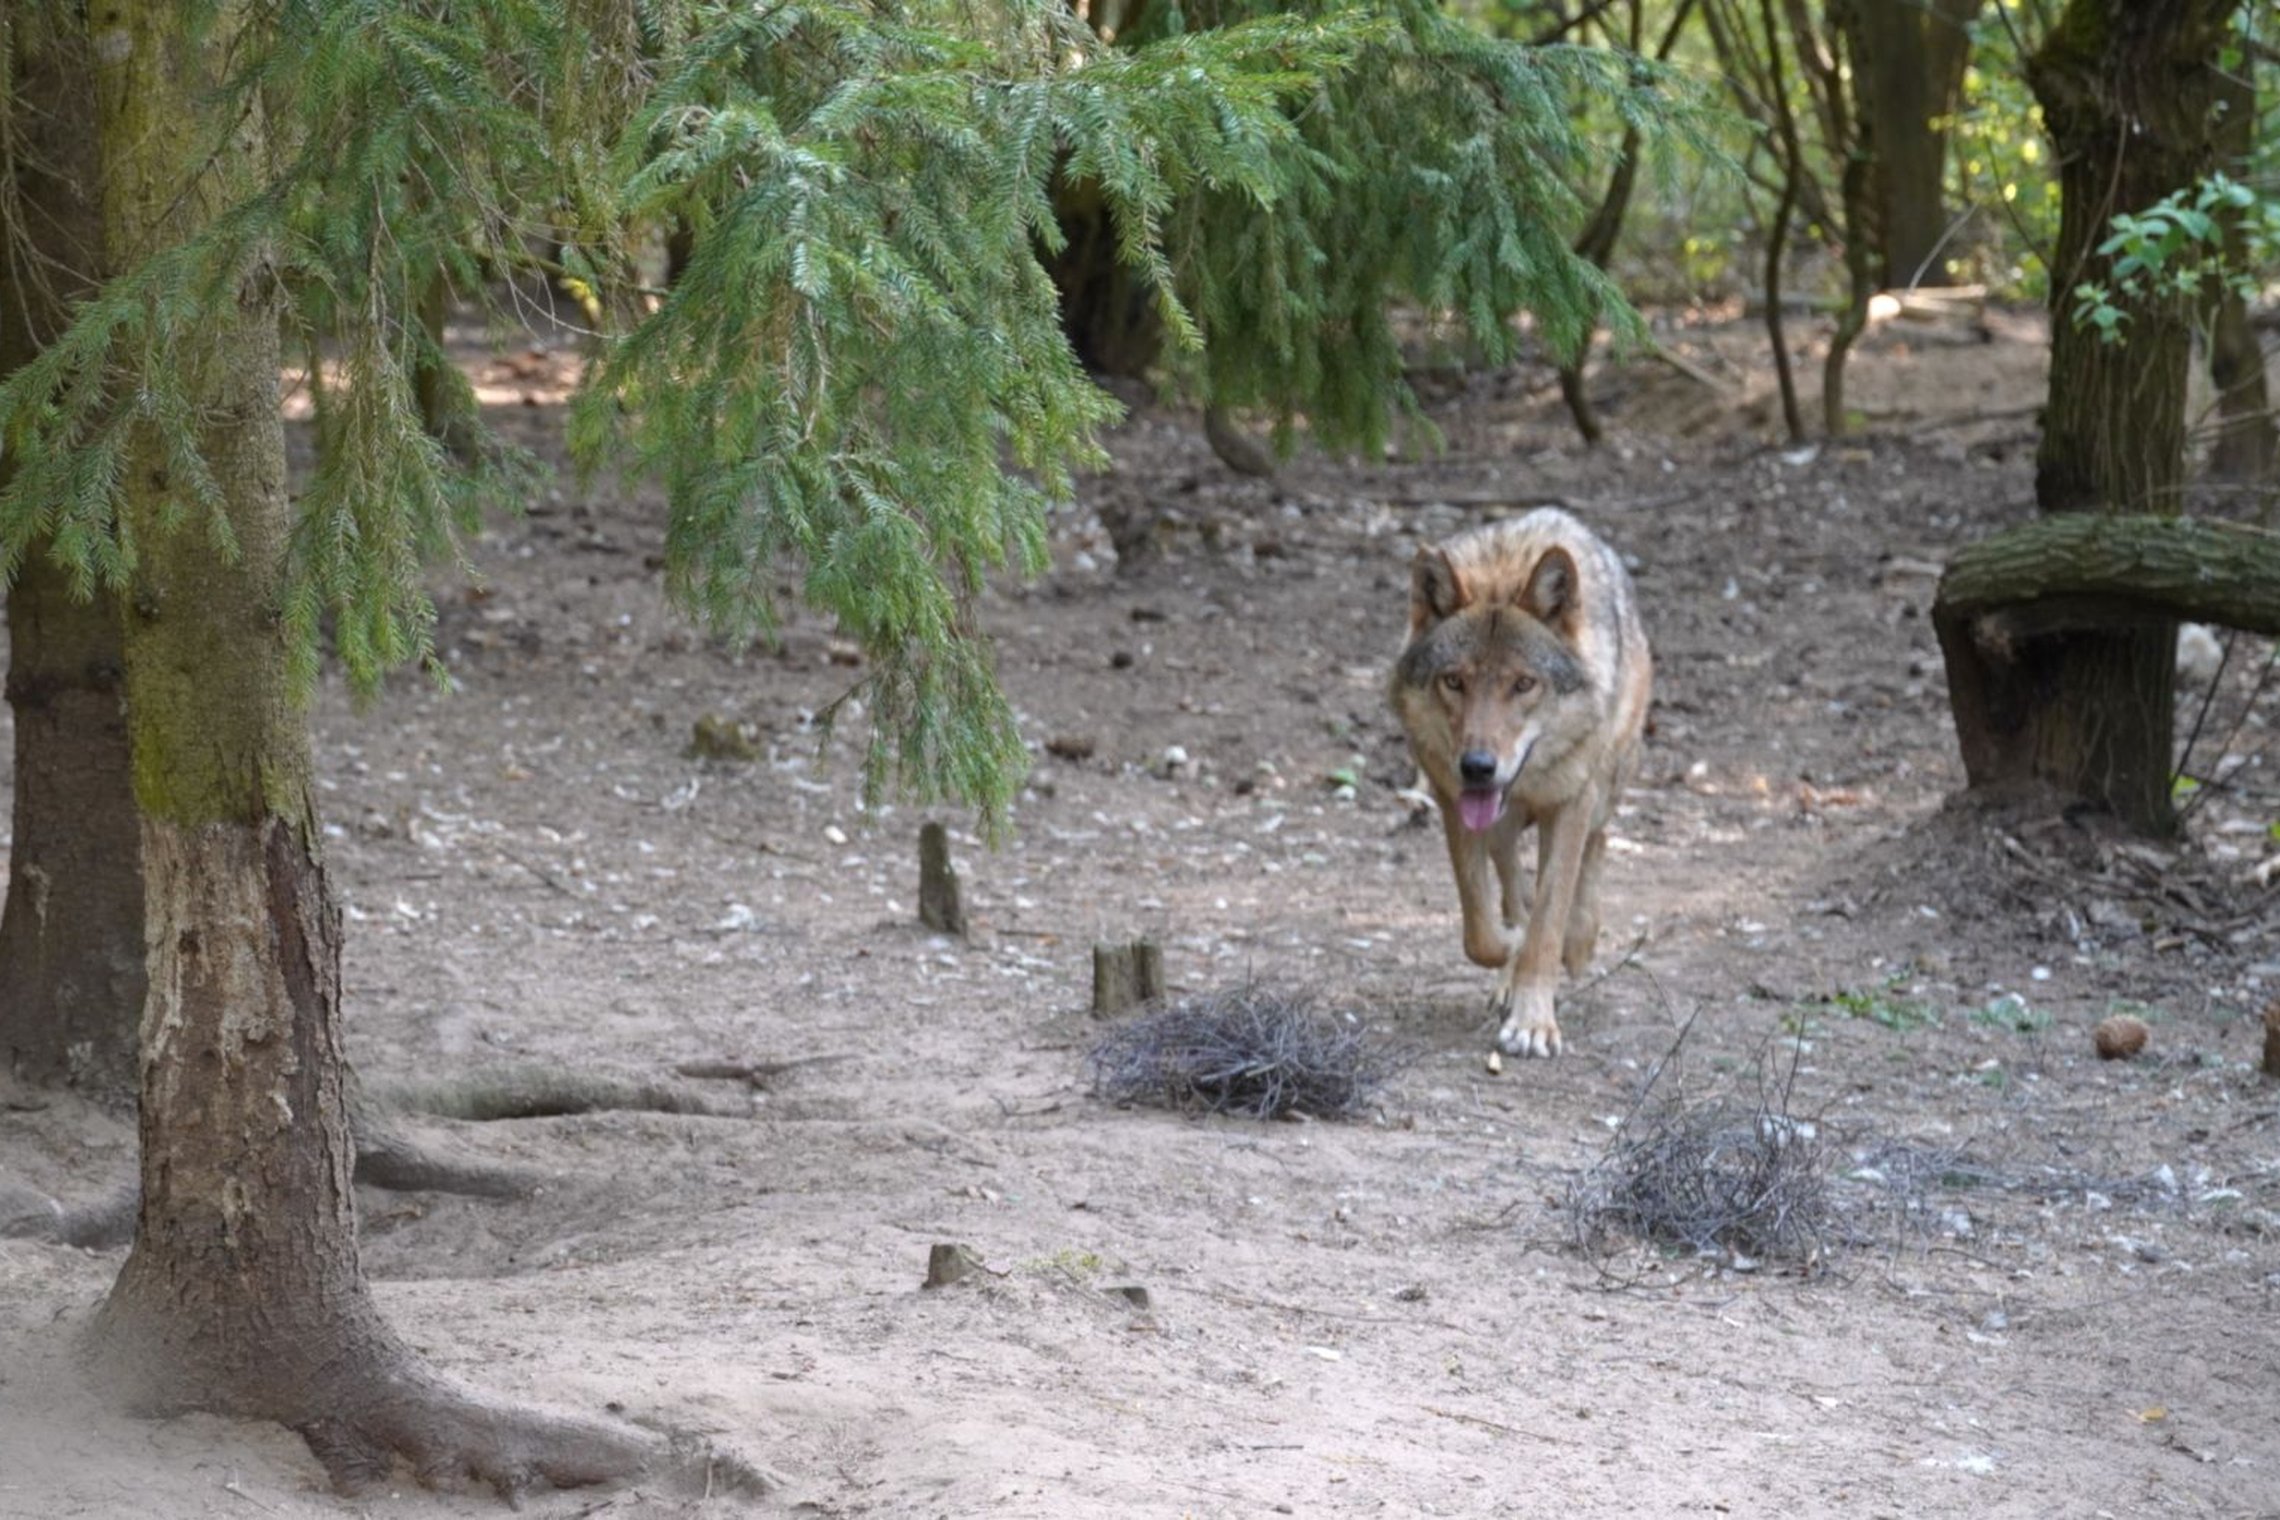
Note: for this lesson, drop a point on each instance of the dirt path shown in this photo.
(1380, 1318)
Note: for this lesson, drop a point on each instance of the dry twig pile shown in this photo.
(1263, 1052)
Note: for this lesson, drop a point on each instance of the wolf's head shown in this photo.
(1490, 678)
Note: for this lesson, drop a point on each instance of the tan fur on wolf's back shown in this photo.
(1523, 690)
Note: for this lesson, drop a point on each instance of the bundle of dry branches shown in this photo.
(1721, 1177)
(1264, 1052)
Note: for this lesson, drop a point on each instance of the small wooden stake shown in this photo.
(948, 1262)
(939, 906)
(1125, 976)
(2272, 1039)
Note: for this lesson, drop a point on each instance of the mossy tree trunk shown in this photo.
(71, 938)
(243, 1293)
(2127, 89)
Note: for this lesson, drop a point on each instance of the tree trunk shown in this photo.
(1833, 75)
(2027, 686)
(243, 1293)
(1597, 240)
(1791, 150)
(1909, 59)
(2126, 88)
(1107, 307)
(2247, 447)
(71, 938)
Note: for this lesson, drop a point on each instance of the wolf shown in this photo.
(1523, 689)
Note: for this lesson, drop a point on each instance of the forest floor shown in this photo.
(2047, 1285)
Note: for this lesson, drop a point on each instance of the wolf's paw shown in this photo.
(1529, 1028)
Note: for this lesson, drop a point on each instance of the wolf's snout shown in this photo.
(1477, 767)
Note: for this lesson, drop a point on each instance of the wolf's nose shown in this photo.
(1477, 767)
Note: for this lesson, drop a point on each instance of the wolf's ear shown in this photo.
(1550, 596)
(1434, 590)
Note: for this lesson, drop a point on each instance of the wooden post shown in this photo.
(2272, 1038)
(1126, 976)
(939, 905)
(948, 1262)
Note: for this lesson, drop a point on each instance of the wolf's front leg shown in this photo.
(1487, 942)
(1525, 994)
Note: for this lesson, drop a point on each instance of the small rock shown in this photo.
(1132, 1293)
(2199, 654)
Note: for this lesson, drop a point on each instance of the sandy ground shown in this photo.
(1380, 1317)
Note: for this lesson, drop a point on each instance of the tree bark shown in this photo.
(1107, 307)
(1832, 72)
(2039, 626)
(1909, 58)
(2041, 574)
(2247, 447)
(1597, 240)
(1793, 174)
(243, 1293)
(71, 937)
(2127, 89)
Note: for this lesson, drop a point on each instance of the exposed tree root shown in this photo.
(364, 1401)
(1236, 449)
(542, 1092)
(754, 1073)
(103, 1222)
(449, 1435)
(388, 1156)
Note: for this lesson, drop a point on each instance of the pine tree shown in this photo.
(859, 373)
(1436, 183)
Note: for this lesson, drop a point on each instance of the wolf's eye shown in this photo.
(1452, 682)
(1522, 685)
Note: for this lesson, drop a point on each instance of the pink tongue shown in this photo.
(1479, 808)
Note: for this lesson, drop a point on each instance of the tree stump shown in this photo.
(1126, 976)
(939, 905)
